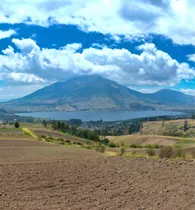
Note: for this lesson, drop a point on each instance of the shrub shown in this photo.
(134, 146)
(39, 138)
(61, 141)
(181, 153)
(68, 141)
(122, 151)
(86, 146)
(153, 146)
(112, 144)
(150, 152)
(166, 152)
(43, 136)
(193, 153)
(79, 143)
(105, 141)
(100, 148)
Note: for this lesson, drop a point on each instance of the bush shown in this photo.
(193, 153)
(112, 144)
(136, 146)
(100, 148)
(68, 141)
(39, 138)
(61, 141)
(181, 153)
(86, 146)
(166, 152)
(150, 152)
(79, 143)
(43, 136)
(122, 151)
(153, 146)
(105, 141)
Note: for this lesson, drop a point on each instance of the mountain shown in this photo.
(95, 93)
(167, 96)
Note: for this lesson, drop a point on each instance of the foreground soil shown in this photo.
(98, 183)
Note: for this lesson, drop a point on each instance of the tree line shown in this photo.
(74, 130)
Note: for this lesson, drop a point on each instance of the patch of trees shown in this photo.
(135, 127)
(75, 131)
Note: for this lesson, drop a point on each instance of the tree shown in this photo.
(44, 123)
(185, 127)
(17, 124)
(163, 123)
(135, 127)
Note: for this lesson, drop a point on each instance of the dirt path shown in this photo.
(98, 183)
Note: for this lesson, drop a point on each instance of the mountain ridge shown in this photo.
(96, 93)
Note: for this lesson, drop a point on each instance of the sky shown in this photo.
(146, 45)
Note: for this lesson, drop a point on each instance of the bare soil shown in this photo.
(32, 151)
(98, 183)
(37, 175)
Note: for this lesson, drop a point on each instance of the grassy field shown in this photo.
(169, 128)
(153, 140)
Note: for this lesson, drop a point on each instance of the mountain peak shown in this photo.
(93, 92)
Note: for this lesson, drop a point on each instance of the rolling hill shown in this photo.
(96, 93)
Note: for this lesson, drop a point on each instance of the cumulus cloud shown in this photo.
(6, 34)
(188, 91)
(172, 18)
(33, 65)
(191, 57)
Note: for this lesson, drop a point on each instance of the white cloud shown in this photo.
(172, 18)
(33, 65)
(188, 91)
(191, 57)
(145, 90)
(6, 34)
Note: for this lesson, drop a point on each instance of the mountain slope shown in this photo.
(95, 93)
(171, 97)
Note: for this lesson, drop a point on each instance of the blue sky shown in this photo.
(145, 45)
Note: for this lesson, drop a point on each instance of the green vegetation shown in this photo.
(135, 127)
(151, 152)
(17, 124)
(75, 131)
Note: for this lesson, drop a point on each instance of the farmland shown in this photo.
(40, 174)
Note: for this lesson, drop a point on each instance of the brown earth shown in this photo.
(31, 151)
(50, 177)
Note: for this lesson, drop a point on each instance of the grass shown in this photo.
(144, 140)
(28, 132)
(170, 128)
(184, 143)
(10, 130)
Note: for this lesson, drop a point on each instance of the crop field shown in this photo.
(36, 175)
